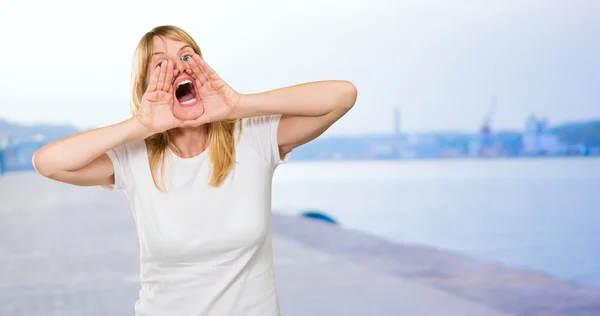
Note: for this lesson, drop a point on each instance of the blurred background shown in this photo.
(476, 131)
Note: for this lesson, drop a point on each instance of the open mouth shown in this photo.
(185, 93)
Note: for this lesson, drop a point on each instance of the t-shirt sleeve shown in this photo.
(263, 131)
(120, 157)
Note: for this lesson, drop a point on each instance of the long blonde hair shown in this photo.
(220, 134)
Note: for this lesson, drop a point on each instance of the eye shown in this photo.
(186, 57)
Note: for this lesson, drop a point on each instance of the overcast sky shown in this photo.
(439, 61)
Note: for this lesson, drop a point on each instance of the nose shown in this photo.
(179, 67)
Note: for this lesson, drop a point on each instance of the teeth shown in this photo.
(184, 82)
(189, 101)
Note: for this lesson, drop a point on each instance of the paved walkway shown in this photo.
(68, 250)
(315, 283)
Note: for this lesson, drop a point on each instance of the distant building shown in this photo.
(383, 151)
(537, 139)
(17, 153)
(3, 146)
(399, 142)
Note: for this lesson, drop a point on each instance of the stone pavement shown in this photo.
(67, 250)
(517, 291)
(315, 283)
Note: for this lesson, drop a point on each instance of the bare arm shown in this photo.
(308, 109)
(81, 159)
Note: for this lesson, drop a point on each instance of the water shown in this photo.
(541, 214)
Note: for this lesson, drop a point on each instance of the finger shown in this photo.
(207, 69)
(190, 123)
(153, 79)
(203, 119)
(179, 123)
(198, 61)
(196, 122)
(161, 75)
(168, 84)
(196, 70)
(199, 86)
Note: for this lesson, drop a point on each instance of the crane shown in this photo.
(485, 130)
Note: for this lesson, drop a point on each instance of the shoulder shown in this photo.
(259, 128)
(260, 122)
(261, 133)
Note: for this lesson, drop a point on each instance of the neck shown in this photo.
(189, 142)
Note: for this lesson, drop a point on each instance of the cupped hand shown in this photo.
(156, 110)
(218, 98)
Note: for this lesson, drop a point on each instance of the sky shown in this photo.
(439, 61)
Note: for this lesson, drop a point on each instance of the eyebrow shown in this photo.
(182, 48)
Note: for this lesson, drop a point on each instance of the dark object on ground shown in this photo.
(319, 216)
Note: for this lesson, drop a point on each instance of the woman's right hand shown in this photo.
(156, 110)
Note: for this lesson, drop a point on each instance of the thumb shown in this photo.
(186, 123)
(190, 123)
(179, 123)
(203, 119)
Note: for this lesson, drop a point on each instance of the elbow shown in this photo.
(349, 94)
(37, 161)
(41, 164)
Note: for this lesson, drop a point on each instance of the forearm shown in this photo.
(77, 151)
(308, 99)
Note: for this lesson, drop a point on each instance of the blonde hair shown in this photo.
(220, 134)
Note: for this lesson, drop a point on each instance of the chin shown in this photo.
(187, 112)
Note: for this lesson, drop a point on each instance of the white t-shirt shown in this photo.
(205, 251)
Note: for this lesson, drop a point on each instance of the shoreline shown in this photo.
(454, 252)
(493, 284)
(450, 158)
(28, 168)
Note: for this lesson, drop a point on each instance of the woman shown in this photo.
(196, 162)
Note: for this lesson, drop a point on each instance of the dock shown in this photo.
(67, 250)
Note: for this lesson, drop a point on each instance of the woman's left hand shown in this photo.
(217, 97)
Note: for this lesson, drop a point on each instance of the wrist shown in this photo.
(137, 130)
(246, 107)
